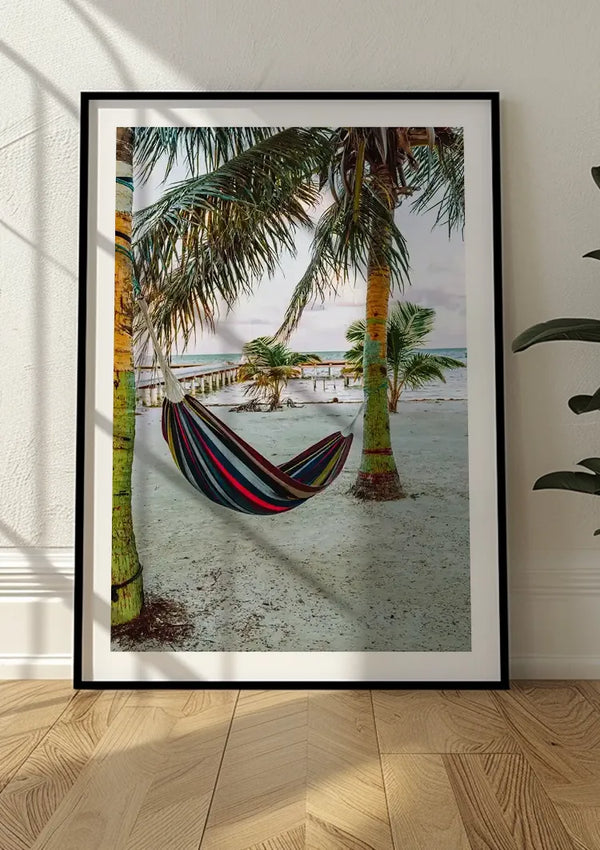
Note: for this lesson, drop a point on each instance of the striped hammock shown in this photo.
(217, 462)
(222, 466)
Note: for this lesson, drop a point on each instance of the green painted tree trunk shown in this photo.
(127, 587)
(378, 478)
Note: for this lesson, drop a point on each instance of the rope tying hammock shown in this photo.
(221, 465)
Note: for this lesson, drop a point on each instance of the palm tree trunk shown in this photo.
(394, 397)
(378, 477)
(276, 395)
(127, 587)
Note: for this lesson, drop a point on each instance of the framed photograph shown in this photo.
(290, 463)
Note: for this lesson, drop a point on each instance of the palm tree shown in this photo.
(362, 175)
(127, 587)
(408, 325)
(269, 366)
(182, 277)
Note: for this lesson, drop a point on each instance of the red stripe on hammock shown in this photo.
(277, 473)
(240, 487)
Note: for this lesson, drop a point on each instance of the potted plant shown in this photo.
(587, 479)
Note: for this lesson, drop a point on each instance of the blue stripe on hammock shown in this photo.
(196, 432)
(249, 456)
(200, 471)
(246, 478)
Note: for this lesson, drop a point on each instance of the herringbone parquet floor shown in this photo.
(284, 770)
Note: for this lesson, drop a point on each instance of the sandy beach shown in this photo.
(334, 574)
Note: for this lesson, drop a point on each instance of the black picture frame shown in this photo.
(88, 126)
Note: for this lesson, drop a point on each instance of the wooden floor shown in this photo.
(283, 770)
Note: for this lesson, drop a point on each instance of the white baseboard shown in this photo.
(36, 571)
(36, 667)
(550, 667)
(553, 615)
(555, 667)
(36, 613)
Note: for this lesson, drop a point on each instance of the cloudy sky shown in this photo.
(437, 280)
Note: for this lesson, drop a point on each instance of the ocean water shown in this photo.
(455, 386)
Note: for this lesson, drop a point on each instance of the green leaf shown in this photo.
(440, 182)
(585, 403)
(595, 255)
(269, 366)
(592, 463)
(408, 325)
(210, 238)
(580, 482)
(196, 148)
(596, 175)
(581, 330)
(341, 245)
(358, 179)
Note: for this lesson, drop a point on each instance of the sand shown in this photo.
(335, 574)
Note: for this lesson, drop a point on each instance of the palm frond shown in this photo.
(345, 237)
(214, 236)
(260, 179)
(441, 176)
(407, 326)
(356, 332)
(269, 352)
(269, 365)
(421, 368)
(448, 362)
(196, 148)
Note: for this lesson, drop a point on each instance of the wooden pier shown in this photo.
(335, 369)
(200, 380)
(196, 381)
(313, 368)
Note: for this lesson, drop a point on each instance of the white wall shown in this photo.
(544, 59)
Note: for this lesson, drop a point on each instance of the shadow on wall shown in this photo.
(45, 94)
(197, 41)
(149, 28)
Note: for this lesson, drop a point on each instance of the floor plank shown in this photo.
(28, 709)
(176, 806)
(581, 822)
(558, 730)
(554, 724)
(572, 781)
(591, 691)
(346, 803)
(440, 722)
(480, 810)
(552, 713)
(293, 839)
(424, 814)
(260, 797)
(35, 791)
(149, 782)
(529, 813)
(288, 770)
